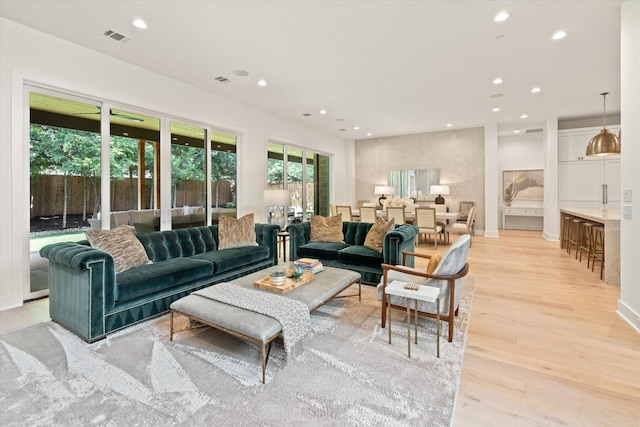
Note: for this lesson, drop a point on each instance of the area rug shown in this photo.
(348, 374)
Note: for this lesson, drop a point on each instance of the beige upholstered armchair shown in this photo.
(447, 276)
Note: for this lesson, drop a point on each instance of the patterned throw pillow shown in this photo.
(433, 262)
(326, 229)
(375, 236)
(122, 245)
(233, 233)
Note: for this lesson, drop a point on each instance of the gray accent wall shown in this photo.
(459, 154)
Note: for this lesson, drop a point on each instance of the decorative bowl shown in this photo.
(278, 277)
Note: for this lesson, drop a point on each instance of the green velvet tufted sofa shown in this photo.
(87, 297)
(351, 254)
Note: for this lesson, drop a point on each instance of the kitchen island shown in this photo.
(611, 221)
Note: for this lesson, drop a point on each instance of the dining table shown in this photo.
(411, 216)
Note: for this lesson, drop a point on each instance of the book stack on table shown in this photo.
(310, 265)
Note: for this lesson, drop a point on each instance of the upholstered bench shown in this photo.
(255, 327)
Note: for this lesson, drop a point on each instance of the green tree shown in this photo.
(65, 152)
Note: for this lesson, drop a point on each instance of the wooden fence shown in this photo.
(47, 194)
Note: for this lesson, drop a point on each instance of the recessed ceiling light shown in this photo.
(559, 35)
(497, 95)
(524, 116)
(139, 23)
(369, 134)
(497, 81)
(241, 73)
(535, 90)
(356, 128)
(342, 130)
(339, 120)
(306, 114)
(262, 83)
(449, 125)
(496, 109)
(323, 111)
(516, 131)
(501, 16)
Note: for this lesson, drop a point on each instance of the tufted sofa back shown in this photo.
(168, 244)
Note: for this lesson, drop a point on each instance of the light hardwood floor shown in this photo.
(545, 345)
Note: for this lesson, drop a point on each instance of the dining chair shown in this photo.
(427, 224)
(345, 211)
(368, 214)
(397, 213)
(463, 211)
(462, 228)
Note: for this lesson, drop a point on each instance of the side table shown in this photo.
(424, 293)
(282, 238)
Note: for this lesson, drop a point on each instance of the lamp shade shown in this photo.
(384, 190)
(277, 197)
(603, 144)
(439, 189)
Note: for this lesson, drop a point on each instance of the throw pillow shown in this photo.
(326, 229)
(233, 233)
(433, 262)
(122, 245)
(375, 236)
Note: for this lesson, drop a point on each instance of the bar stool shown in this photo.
(585, 239)
(566, 228)
(598, 248)
(574, 234)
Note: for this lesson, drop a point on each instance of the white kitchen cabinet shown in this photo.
(586, 182)
(572, 144)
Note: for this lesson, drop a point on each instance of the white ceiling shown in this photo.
(389, 67)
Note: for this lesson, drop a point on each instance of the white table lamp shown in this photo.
(382, 191)
(277, 199)
(440, 190)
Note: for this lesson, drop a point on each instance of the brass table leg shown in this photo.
(408, 328)
(438, 326)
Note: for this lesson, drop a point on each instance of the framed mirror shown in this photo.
(414, 183)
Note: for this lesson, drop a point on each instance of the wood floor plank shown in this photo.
(545, 344)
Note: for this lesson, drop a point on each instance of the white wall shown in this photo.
(31, 56)
(459, 154)
(517, 152)
(629, 303)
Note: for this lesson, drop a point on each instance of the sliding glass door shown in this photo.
(305, 174)
(69, 188)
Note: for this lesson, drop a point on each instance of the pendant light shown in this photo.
(605, 143)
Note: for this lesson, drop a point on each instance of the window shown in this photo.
(305, 174)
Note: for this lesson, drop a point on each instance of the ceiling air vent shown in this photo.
(533, 130)
(222, 79)
(116, 36)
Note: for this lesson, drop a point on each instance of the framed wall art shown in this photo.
(525, 184)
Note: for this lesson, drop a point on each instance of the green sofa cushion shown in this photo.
(362, 255)
(355, 233)
(151, 278)
(324, 250)
(228, 259)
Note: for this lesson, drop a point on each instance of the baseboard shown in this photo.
(551, 237)
(490, 233)
(629, 315)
